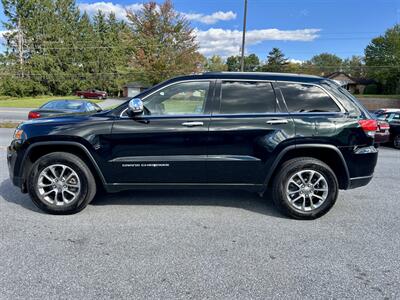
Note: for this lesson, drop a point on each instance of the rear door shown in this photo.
(248, 128)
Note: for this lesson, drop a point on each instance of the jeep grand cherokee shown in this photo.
(297, 139)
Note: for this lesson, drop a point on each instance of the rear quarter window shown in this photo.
(307, 98)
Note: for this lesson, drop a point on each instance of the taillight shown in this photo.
(369, 126)
(33, 115)
(384, 125)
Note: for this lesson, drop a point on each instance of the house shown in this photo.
(133, 88)
(353, 85)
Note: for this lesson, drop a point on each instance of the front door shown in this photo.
(168, 143)
(247, 128)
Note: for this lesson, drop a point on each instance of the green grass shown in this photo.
(379, 96)
(8, 125)
(33, 102)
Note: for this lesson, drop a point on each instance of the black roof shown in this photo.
(254, 76)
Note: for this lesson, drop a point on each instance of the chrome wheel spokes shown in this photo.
(58, 185)
(307, 190)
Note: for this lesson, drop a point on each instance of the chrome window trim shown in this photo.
(337, 102)
(165, 86)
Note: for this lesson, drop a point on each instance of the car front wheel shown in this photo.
(305, 188)
(61, 183)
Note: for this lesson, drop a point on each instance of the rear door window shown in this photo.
(307, 98)
(247, 97)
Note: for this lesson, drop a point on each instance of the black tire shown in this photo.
(87, 182)
(396, 141)
(100, 98)
(281, 181)
(82, 96)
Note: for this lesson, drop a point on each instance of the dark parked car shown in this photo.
(392, 116)
(92, 94)
(297, 139)
(58, 107)
(382, 135)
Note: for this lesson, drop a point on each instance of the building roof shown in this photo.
(352, 80)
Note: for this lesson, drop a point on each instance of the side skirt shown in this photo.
(118, 187)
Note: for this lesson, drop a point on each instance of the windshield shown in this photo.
(64, 105)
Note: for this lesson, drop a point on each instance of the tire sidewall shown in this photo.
(289, 171)
(73, 207)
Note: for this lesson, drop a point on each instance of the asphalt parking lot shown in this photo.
(202, 244)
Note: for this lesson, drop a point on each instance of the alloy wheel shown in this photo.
(307, 190)
(58, 185)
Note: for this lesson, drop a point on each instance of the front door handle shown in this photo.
(277, 122)
(192, 124)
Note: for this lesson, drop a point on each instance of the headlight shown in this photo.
(19, 134)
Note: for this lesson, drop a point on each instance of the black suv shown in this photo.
(296, 138)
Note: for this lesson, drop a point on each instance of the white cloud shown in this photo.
(120, 12)
(213, 18)
(109, 7)
(227, 42)
(296, 61)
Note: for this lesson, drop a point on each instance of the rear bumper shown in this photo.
(361, 164)
(359, 181)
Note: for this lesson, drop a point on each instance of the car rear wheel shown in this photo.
(61, 183)
(100, 97)
(305, 188)
(82, 96)
(396, 141)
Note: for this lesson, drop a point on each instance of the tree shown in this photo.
(251, 63)
(276, 61)
(216, 64)
(354, 66)
(325, 63)
(382, 58)
(163, 43)
(233, 63)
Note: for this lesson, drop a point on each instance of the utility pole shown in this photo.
(20, 47)
(244, 35)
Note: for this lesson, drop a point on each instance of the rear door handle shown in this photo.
(277, 122)
(192, 124)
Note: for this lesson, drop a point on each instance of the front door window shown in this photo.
(186, 98)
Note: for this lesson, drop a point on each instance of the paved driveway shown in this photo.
(203, 244)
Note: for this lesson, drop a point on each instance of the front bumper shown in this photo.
(12, 162)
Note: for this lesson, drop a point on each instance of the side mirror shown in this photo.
(135, 107)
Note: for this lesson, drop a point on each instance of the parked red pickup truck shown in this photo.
(95, 94)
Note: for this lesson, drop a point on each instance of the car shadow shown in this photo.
(224, 198)
(12, 194)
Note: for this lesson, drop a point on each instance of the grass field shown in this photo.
(6, 101)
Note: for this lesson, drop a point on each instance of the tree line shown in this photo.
(54, 48)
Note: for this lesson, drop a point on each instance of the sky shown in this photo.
(301, 29)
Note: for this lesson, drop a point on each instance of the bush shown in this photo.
(20, 87)
(371, 89)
